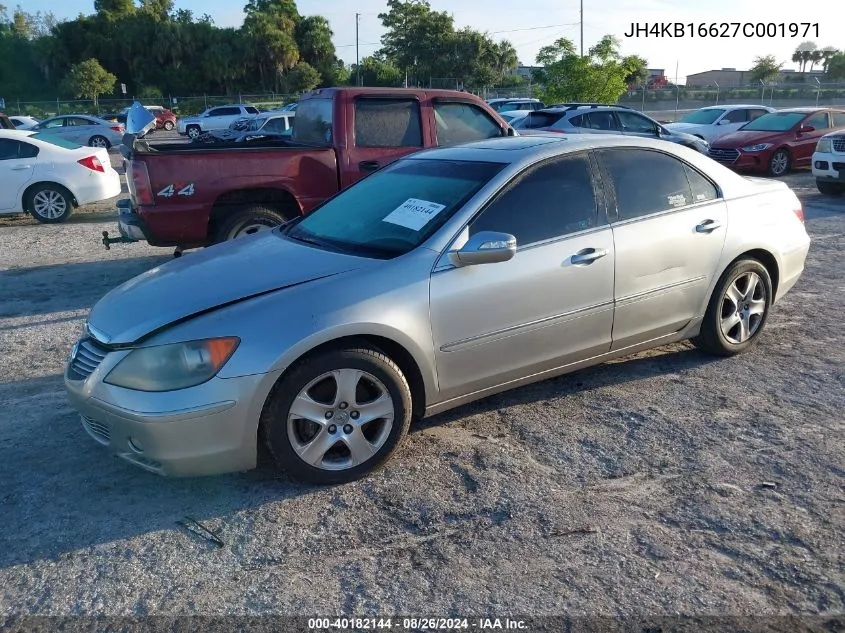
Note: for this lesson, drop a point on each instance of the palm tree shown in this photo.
(798, 58)
(815, 58)
(827, 53)
(506, 57)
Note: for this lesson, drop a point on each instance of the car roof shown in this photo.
(514, 99)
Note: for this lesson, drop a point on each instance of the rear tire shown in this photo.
(49, 203)
(331, 445)
(738, 309)
(247, 220)
(168, 125)
(99, 141)
(830, 188)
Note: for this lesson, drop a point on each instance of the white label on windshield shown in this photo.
(414, 213)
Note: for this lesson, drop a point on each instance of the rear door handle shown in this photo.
(708, 226)
(588, 255)
(369, 165)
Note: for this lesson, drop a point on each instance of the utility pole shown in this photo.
(582, 28)
(357, 55)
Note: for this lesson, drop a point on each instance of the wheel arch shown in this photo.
(767, 259)
(276, 198)
(32, 186)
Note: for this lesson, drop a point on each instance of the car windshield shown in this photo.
(394, 210)
(775, 122)
(46, 137)
(702, 117)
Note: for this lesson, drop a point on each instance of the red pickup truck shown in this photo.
(189, 195)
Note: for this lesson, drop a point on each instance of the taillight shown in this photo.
(117, 128)
(799, 211)
(139, 184)
(93, 163)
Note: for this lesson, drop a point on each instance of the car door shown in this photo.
(55, 126)
(17, 165)
(635, 124)
(81, 130)
(383, 130)
(550, 305)
(804, 145)
(669, 224)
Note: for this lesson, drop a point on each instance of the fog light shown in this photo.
(821, 164)
(135, 445)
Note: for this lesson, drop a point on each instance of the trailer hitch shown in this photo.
(108, 241)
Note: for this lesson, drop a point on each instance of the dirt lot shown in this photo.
(665, 483)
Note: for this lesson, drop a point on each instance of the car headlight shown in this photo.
(824, 145)
(174, 366)
(757, 148)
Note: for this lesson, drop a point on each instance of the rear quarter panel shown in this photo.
(309, 175)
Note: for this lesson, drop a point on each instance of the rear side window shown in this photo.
(647, 182)
(600, 121)
(463, 123)
(314, 121)
(701, 188)
(251, 110)
(76, 121)
(224, 112)
(536, 120)
(838, 119)
(387, 123)
(12, 150)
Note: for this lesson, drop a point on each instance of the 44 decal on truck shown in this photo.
(177, 189)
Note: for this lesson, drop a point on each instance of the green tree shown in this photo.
(271, 26)
(114, 9)
(90, 80)
(804, 54)
(159, 10)
(376, 71)
(836, 67)
(599, 76)
(765, 69)
(827, 52)
(416, 39)
(301, 78)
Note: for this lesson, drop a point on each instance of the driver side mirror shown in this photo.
(803, 129)
(723, 122)
(485, 247)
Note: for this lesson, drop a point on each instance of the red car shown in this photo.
(164, 118)
(778, 141)
(6, 123)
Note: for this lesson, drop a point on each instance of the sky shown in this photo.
(532, 24)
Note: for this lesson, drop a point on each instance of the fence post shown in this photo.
(206, 101)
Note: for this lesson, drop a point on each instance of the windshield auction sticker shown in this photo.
(414, 213)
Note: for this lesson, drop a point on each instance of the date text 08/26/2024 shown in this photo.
(723, 29)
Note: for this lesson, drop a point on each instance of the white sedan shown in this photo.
(48, 176)
(23, 122)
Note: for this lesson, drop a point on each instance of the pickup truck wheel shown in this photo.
(248, 221)
(193, 131)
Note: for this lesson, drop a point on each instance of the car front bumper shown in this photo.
(745, 161)
(209, 429)
(829, 166)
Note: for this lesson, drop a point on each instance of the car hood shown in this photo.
(741, 138)
(683, 127)
(211, 278)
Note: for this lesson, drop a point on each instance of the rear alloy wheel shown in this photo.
(337, 416)
(830, 188)
(99, 141)
(193, 131)
(50, 204)
(779, 163)
(168, 125)
(738, 309)
(249, 221)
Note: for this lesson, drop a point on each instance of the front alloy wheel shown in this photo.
(779, 163)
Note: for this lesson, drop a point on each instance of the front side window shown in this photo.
(314, 121)
(703, 117)
(647, 182)
(395, 209)
(551, 200)
(636, 123)
(388, 123)
(52, 123)
(463, 123)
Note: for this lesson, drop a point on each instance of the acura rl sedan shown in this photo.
(447, 276)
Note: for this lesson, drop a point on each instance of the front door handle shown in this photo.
(21, 167)
(369, 165)
(588, 255)
(708, 226)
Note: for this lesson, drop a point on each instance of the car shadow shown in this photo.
(63, 492)
(42, 289)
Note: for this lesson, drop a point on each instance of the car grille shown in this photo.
(839, 145)
(723, 155)
(98, 430)
(87, 358)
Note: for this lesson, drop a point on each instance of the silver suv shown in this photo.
(598, 118)
(515, 103)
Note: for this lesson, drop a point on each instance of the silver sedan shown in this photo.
(83, 130)
(442, 278)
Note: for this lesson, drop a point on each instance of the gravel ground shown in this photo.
(664, 483)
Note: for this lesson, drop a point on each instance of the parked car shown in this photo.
(6, 122)
(512, 116)
(262, 125)
(777, 142)
(189, 195)
(83, 129)
(828, 163)
(48, 176)
(216, 118)
(290, 107)
(714, 121)
(509, 104)
(445, 277)
(597, 118)
(23, 122)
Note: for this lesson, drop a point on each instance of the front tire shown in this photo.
(49, 203)
(830, 188)
(99, 141)
(248, 221)
(337, 416)
(738, 309)
(193, 131)
(779, 163)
